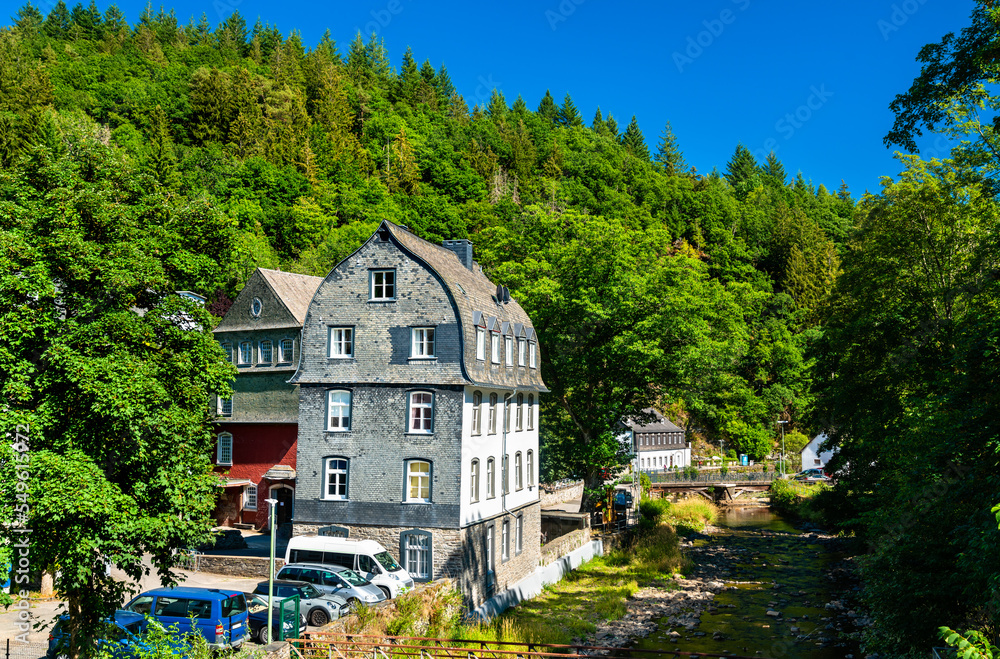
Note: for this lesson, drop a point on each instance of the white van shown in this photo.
(366, 557)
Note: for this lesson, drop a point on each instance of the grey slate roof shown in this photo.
(285, 297)
(662, 424)
(472, 291)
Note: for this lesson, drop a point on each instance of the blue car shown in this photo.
(220, 616)
(122, 637)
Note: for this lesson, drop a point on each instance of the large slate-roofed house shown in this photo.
(258, 426)
(418, 414)
(660, 443)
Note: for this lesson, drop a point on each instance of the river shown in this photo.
(784, 594)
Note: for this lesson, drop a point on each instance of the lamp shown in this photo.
(271, 503)
(782, 423)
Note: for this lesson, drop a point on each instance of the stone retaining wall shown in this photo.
(564, 545)
(239, 566)
(551, 495)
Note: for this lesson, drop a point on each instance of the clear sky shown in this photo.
(812, 81)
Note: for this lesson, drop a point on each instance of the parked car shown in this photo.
(366, 557)
(812, 476)
(318, 607)
(122, 637)
(218, 615)
(335, 580)
(257, 616)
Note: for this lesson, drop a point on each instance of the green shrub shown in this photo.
(654, 509)
(644, 485)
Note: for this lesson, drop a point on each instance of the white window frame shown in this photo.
(508, 350)
(492, 426)
(426, 418)
(489, 547)
(415, 552)
(531, 411)
(265, 352)
(507, 404)
(474, 481)
(495, 347)
(481, 344)
(518, 534)
(286, 351)
(246, 353)
(531, 468)
(409, 484)
(477, 413)
(377, 291)
(522, 349)
(224, 449)
(340, 468)
(491, 478)
(228, 349)
(340, 343)
(505, 541)
(532, 354)
(344, 418)
(422, 343)
(226, 406)
(250, 497)
(519, 414)
(505, 474)
(518, 479)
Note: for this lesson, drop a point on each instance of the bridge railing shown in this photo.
(680, 477)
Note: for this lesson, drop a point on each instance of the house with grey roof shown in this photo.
(659, 444)
(419, 385)
(258, 427)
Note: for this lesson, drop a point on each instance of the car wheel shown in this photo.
(263, 637)
(318, 617)
(353, 603)
(385, 591)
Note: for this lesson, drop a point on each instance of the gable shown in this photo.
(274, 302)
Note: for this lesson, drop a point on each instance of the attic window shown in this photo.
(383, 235)
(256, 306)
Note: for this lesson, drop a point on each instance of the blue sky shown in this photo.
(812, 81)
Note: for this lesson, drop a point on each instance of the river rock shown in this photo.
(773, 613)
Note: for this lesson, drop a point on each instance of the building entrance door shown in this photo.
(283, 509)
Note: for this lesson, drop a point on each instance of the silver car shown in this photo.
(335, 580)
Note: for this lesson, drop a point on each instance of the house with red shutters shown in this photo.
(257, 428)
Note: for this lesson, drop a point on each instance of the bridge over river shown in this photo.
(712, 486)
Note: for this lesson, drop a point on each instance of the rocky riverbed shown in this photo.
(758, 588)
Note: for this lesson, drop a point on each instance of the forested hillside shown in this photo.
(238, 147)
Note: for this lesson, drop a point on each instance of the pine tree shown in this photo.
(57, 23)
(378, 58)
(427, 73)
(611, 126)
(568, 114)
(598, 123)
(232, 34)
(161, 163)
(741, 172)
(634, 142)
(114, 21)
(520, 108)
(547, 107)
(409, 77)
(28, 20)
(357, 58)
(669, 154)
(328, 47)
(204, 31)
(497, 108)
(773, 168)
(843, 193)
(446, 90)
(86, 22)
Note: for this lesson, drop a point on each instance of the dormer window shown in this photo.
(495, 347)
(341, 342)
(383, 285)
(481, 344)
(508, 342)
(256, 306)
(532, 355)
(522, 350)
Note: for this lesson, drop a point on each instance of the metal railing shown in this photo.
(731, 477)
(319, 645)
(188, 559)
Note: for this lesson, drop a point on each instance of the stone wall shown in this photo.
(556, 524)
(477, 582)
(554, 494)
(558, 548)
(238, 566)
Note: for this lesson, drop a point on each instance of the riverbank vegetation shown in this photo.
(799, 500)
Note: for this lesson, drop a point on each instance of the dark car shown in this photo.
(318, 607)
(812, 476)
(257, 609)
(122, 636)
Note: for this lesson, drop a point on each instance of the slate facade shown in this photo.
(392, 384)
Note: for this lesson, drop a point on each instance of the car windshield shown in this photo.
(353, 578)
(308, 591)
(387, 561)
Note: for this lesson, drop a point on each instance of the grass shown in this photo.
(799, 499)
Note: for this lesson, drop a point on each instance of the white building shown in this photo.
(659, 444)
(812, 457)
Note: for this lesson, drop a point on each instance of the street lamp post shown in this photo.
(271, 503)
(782, 423)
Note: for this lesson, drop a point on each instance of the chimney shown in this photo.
(462, 249)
